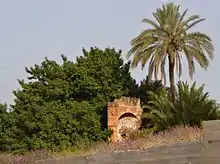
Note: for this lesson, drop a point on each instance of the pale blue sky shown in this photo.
(33, 29)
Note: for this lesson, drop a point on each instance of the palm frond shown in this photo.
(169, 35)
(192, 106)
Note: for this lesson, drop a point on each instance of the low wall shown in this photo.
(206, 151)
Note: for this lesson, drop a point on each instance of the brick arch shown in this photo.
(128, 114)
(124, 109)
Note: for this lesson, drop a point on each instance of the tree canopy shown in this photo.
(61, 104)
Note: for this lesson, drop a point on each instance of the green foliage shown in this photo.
(7, 121)
(103, 77)
(147, 85)
(194, 104)
(56, 125)
(109, 76)
(159, 111)
(4, 125)
(61, 105)
(191, 107)
(170, 37)
(145, 90)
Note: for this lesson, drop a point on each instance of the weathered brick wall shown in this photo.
(124, 114)
(206, 151)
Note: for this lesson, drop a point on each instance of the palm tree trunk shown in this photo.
(171, 76)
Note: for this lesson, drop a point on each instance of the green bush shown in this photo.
(194, 105)
(56, 126)
(7, 128)
(147, 85)
(62, 105)
(191, 107)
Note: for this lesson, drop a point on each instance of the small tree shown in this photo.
(61, 104)
(192, 106)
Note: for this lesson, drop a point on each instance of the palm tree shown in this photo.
(194, 104)
(170, 37)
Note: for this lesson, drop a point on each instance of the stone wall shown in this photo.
(206, 151)
(211, 142)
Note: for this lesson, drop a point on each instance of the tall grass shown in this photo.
(139, 141)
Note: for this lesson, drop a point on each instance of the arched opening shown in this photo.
(127, 123)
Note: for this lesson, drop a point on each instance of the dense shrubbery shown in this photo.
(56, 125)
(61, 105)
(192, 106)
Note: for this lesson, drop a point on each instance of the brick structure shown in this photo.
(124, 114)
